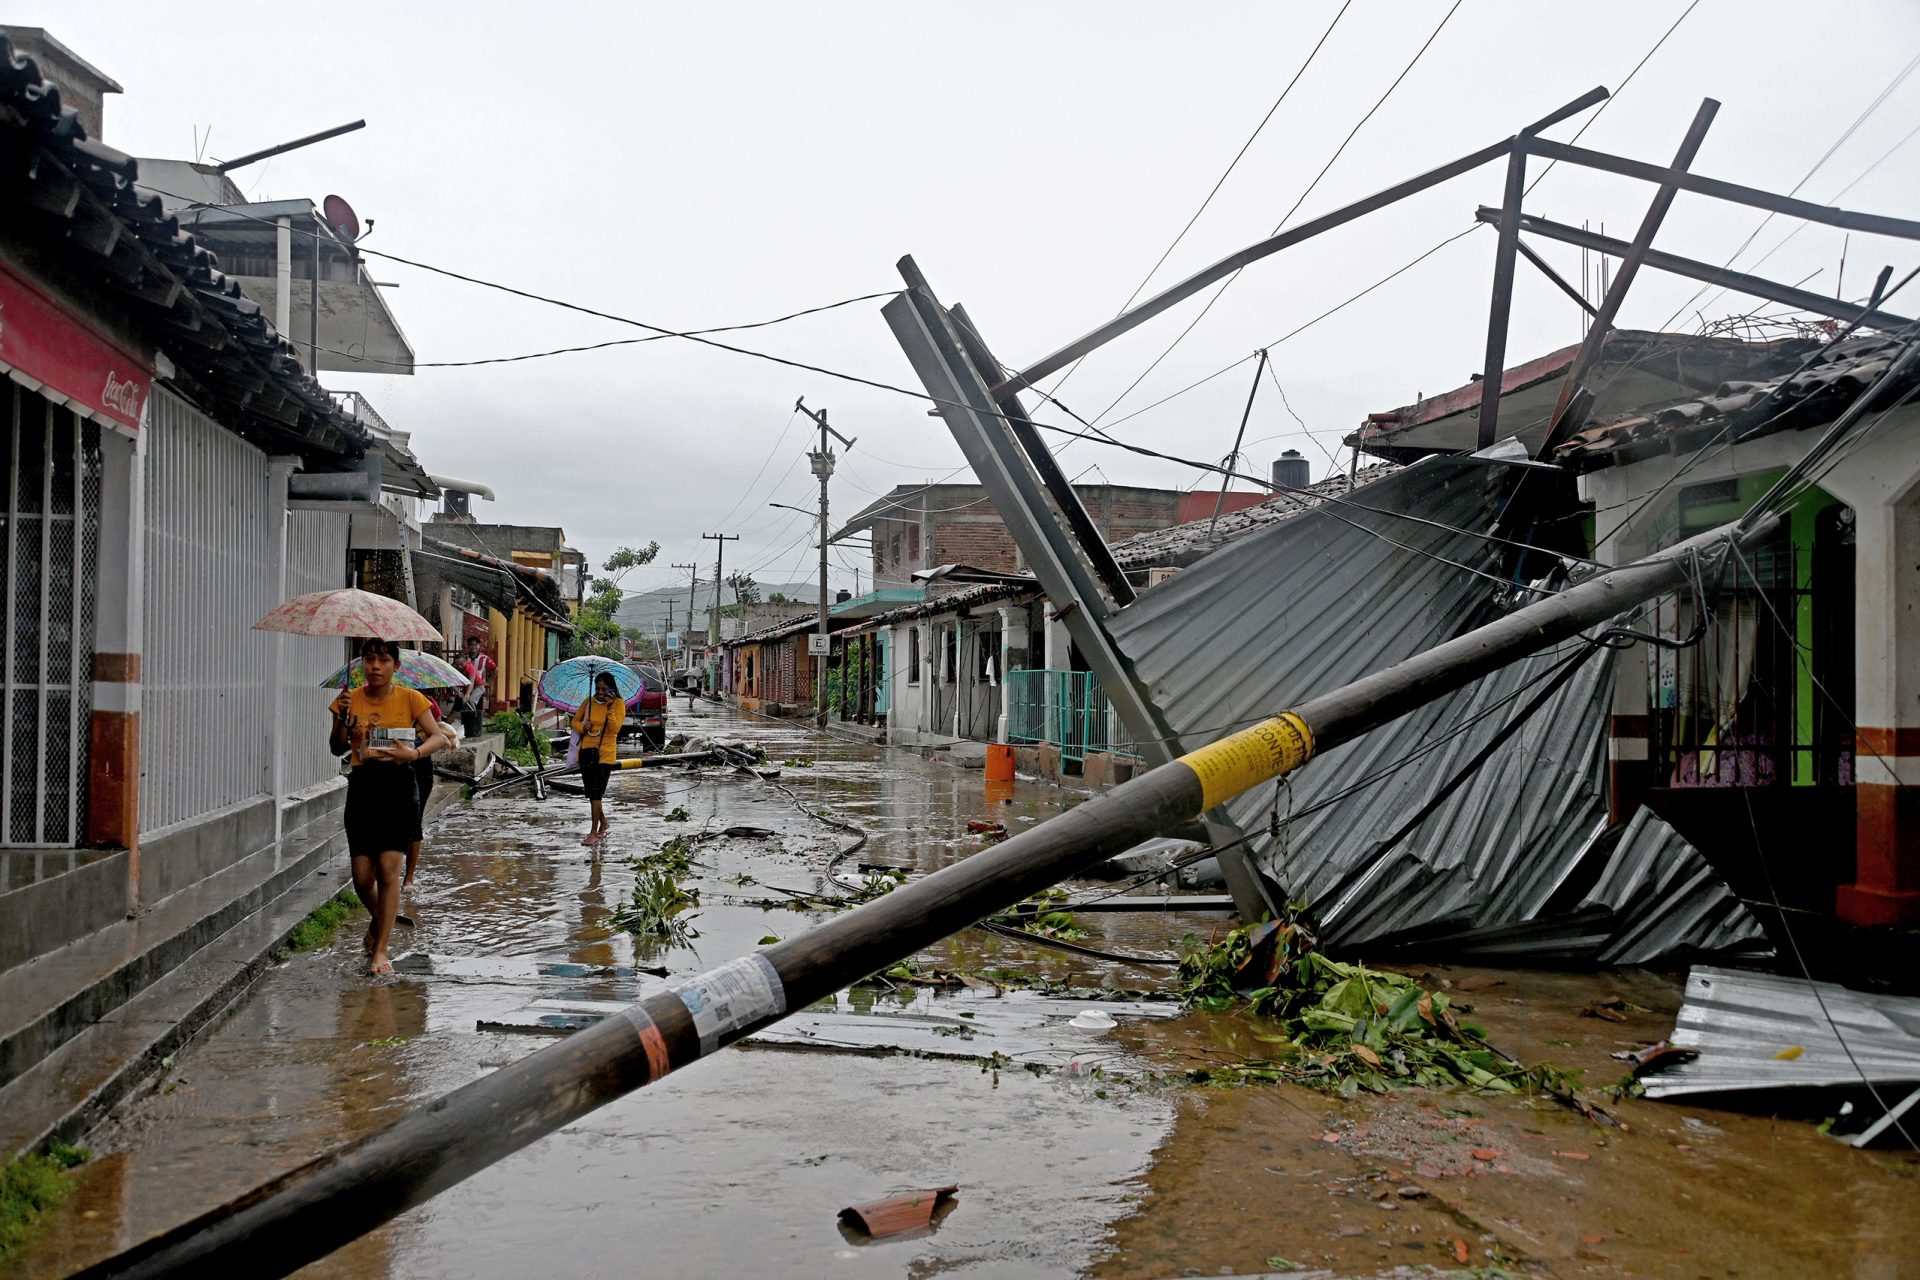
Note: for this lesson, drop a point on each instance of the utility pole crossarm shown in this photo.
(822, 467)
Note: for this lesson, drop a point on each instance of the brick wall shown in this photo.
(956, 524)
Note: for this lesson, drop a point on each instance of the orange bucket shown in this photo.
(999, 762)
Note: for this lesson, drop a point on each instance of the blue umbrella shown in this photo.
(570, 683)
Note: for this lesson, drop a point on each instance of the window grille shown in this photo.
(51, 534)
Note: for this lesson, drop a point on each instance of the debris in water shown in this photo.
(908, 1211)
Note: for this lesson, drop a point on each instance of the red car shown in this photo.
(647, 711)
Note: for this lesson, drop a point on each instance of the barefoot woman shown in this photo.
(387, 728)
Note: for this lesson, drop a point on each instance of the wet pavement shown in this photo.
(740, 1164)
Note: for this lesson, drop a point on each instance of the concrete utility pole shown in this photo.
(823, 467)
(305, 1214)
(693, 585)
(719, 576)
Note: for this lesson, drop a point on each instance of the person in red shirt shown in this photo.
(385, 728)
(477, 667)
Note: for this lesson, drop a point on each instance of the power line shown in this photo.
(1595, 117)
(1221, 181)
(1338, 152)
(1865, 114)
(764, 462)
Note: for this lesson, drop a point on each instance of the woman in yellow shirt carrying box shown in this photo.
(386, 727)
(598, 723)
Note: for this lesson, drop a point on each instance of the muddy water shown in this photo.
(736, 1166)
(739, 1165)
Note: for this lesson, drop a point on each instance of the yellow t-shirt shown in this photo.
(598, 725)
(400, 709)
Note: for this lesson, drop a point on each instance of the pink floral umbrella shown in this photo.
(348, 611)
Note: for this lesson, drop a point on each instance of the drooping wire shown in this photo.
(1338, 152)
(1221, 181)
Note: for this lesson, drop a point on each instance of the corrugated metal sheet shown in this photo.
(1740, 1023)
(204, 720)
(316, 561)
(1504, 866)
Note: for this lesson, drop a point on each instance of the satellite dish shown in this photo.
(342, 217)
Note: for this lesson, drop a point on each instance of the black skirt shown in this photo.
(383, 809)
(593, 779)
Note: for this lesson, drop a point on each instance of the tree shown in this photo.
(745, 589)
(594, 628)
(778, 597)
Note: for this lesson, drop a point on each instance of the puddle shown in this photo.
(740, 1165)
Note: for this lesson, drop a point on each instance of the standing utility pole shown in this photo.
(693, 585)
(823, 467)
(719, 563)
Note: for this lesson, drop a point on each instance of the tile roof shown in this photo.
(1742, 410)
(1635, 366)
(1182, 544)
(75, 199)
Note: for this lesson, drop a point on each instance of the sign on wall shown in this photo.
(65, 361)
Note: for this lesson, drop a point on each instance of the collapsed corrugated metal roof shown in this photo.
(1512, 862)
(1761, 1031)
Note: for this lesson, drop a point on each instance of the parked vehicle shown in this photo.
(648, 716)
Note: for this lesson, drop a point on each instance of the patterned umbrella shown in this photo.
(417, 671)
(570, 683)
(348, 611)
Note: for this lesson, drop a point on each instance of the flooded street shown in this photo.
(740, 1164)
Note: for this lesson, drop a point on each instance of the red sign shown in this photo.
(41, 341)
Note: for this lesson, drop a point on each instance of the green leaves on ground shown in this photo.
(323, 921)
(1342, 1026)
(656, 907)
(32, 1186)
(1040, 916)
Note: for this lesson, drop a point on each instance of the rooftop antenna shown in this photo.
(228, 166)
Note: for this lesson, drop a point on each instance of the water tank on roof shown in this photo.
(1290, 471)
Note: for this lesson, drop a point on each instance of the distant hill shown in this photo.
(645, 611)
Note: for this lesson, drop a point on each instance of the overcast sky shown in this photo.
(696, 165)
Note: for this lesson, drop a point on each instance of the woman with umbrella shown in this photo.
(387, 728)
(598, 722)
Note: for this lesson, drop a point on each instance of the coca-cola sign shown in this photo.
(42, 341)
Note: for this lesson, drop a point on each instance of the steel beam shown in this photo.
(1547, 270)
(1266, 248)
(929, 337)
(1500, 309)
(1602, 325)
(1757, 286)
(1905, 228)
(1092, 543)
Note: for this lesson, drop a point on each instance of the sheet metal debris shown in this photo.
(1020, 1027)
(1342, 589)
(1761, 1031)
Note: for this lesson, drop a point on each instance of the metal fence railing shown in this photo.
(1066, 708)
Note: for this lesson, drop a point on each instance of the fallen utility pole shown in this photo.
(314, 1209)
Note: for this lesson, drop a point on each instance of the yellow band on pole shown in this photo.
(1242, 761)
